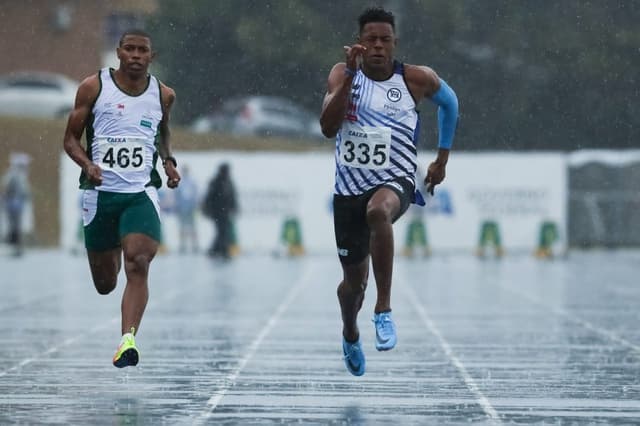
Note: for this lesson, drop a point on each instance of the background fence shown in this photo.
(604, 199)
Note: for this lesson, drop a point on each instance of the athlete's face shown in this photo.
(380, 41)
(135, 54)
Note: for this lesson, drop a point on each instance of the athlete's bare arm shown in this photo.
(168, 96)
(423, 82)
(85, 97)
(336, 100)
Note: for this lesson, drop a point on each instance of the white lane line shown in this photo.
(573, 318)
(491, 413)
(71, 340)
(26, 303)
(57, 348)
(230, 380)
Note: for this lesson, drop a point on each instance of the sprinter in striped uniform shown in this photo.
(125, 113)
(370, 110)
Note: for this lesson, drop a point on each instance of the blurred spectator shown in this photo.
(416, 241)
(16, 193)
(220, 205)
(186, 203)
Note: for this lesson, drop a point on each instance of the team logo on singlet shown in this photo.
(146, 120)
(109, 108)
(394, 95)
(352, 108)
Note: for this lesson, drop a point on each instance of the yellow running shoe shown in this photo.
(127, 353)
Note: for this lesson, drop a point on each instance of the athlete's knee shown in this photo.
(137, 263)
(351, 289)
(105, 285)
(104, 270)
(105, 278)
(378, 214)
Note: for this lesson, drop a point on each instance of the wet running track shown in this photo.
(257, 341)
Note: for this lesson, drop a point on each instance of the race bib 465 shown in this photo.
(122, 154)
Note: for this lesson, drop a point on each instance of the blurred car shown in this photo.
(37, 94)
(260, 116)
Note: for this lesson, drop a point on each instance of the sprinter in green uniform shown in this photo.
(125, 115)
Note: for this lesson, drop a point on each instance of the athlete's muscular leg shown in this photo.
(138, 250)
(381, 209)
(351, 295)
(105, 266)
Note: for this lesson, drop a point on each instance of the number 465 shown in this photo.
(123, 157)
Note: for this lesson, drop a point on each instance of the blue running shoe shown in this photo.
(353, 357)
(385, 331)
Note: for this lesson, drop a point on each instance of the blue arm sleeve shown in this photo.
(447, 102)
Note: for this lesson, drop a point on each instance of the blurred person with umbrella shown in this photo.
(221, 205)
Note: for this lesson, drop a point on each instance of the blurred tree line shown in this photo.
(530, 75)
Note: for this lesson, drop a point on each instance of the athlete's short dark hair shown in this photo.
(376, 14)
(134, 32)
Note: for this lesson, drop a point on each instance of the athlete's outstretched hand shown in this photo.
(94, 174)
(172, 175)
(353, 56)
(435, 175)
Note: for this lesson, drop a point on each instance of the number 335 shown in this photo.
(363, 154)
